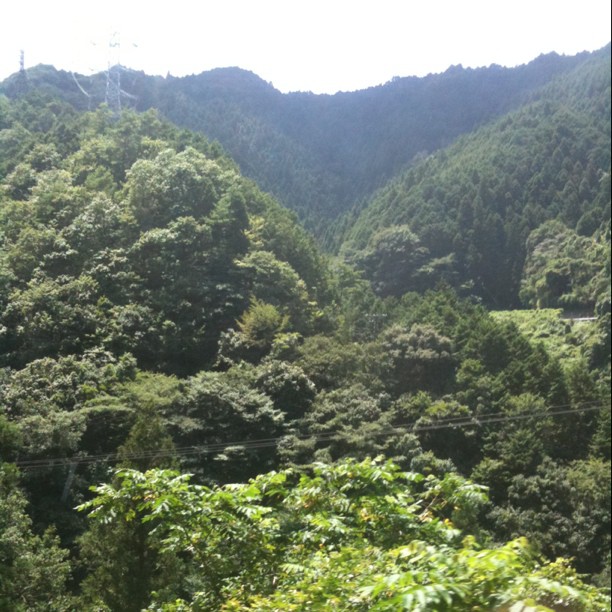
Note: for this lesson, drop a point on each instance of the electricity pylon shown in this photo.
(113, 75)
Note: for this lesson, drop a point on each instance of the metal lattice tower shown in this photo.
(113, 75)
(22, 75)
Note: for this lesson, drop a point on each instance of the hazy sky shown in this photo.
(298, 45)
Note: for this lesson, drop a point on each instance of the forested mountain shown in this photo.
(534, 184)
(319, 154)
(199, 410)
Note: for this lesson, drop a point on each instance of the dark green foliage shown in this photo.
(159, 310)
(330, 363)
(601, 443)
(392, 261)
(33, 569)
(280, 286)
(47, 399)
(416, 359)
(435, 421)
(219, 408)
(469, 209)
(563, 510)
(147, 445)
(317, 154)
(349, 422)
(564, 269)
(50, 318)
(142, 240)
(287, 385)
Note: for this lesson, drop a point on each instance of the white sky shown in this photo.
(298, 45)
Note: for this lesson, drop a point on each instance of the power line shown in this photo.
(82, 90)
(211, 448)
(461, 422)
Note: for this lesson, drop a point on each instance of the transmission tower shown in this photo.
(113, 75)
(22, 76)
(114, 93)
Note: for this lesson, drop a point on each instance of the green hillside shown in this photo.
(199, 410)
(105, 221)
(318, 154)
(500, 212)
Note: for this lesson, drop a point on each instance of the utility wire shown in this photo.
(451, 422)
(461, 422)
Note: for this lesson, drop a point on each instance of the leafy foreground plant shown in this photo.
(349, 536)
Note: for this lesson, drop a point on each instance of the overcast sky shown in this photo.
(298, 45)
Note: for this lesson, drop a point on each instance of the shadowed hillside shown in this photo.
(319, 154)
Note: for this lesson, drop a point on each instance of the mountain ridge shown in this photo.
(319, 154)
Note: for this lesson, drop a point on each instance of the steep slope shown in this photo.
(319, 154)
(465, 213)
(129, 235)
(158, 310)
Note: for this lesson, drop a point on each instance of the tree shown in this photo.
(33, 569)
(361, 534)
(287, 385)
(393, 260)
(278, 284)
(563, 269)
(563, 510)
(147, 445)
(121, 552)
(220, 409)
(175, 185)
(419, 359)
(50, 318)
(349, 422)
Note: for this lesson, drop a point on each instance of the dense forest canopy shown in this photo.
(499, 212)
(320, 154)
(200, 410)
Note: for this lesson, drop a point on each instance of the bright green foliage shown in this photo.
(260, 324)
(360, 535)
(174, 185)
(474, 578)
(277, 283)
(564, 269)
(157, 310)
(123, 555)
(563, 339)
